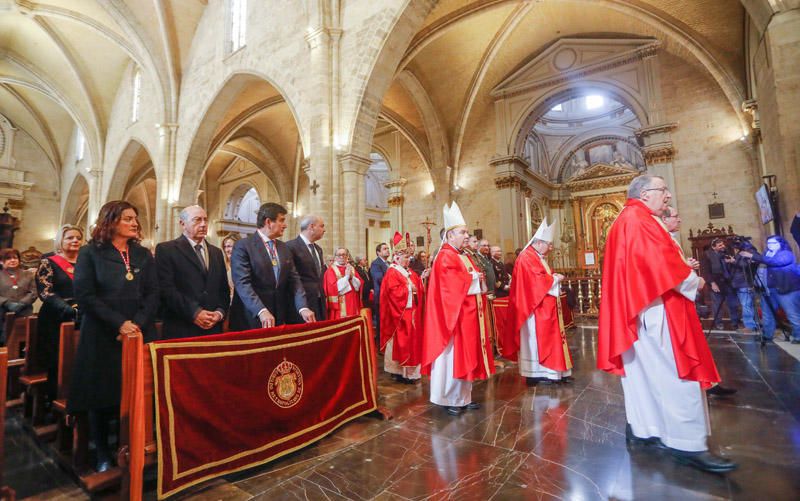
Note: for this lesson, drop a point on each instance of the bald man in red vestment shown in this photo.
(457, 346)
(650, 334)
(342, 286)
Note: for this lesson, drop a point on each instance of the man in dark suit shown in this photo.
(362, 268)
(502, 279)
(266, 284)
(717, 272)
(310, 264)
(377, 270)
(192, 280)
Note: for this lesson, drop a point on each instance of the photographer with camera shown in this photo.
(782, 280)
(718, 272)
(743, 272)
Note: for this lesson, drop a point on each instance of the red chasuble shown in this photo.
(451, 313)
(346, 305)
(640, 265)
(530, 282)
(401, 324)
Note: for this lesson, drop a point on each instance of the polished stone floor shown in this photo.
(561, 442)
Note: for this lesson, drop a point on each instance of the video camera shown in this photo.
(741, 243)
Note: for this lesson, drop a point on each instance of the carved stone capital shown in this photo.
(751, 107)
(396, 201)
(354, 163)
(660, 153)
(514, 182)
(646, 132)
(396, 183)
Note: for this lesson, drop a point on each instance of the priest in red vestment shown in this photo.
(342, 286)
(457, 347)
(650, 334)
(402, 303)
(535, 325)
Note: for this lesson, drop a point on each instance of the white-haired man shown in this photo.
(649, 332)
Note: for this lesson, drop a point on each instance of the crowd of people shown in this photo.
(431, 314)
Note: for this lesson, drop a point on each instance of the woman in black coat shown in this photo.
(117, 292)
(54, 280)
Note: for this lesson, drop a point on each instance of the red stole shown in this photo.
(530, 283)
(65, 265)
(641, 264)
(452, 314)
(398, 323)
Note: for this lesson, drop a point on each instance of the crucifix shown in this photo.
(314, 186)
(427, 224)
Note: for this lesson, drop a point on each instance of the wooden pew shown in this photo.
(5, 492)
(72, 431)
(34, 381)
(15, 342)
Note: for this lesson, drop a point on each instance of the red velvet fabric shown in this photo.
(401, 324)
(642, 264)
(500, 313)
(217, 412)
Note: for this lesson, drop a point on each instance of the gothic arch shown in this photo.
(200, 148)
(131, 160)
(76, 208)
(564, 92)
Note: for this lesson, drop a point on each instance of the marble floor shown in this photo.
(557, 442)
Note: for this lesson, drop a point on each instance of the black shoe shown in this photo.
(103, 466)
(795, 341)
(634, 441)
(704, 461)
(567, 380)
(398, 378)
(533, 381)
(455, 411)
(721, 391)
(472, 406)
(409, 381)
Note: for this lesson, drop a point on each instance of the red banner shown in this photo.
(232, 401)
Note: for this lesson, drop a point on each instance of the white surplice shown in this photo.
(445, 389)
(657, 402)
(529, 365)
(390, 365)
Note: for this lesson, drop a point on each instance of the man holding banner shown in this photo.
(535, 326)
(457, 347)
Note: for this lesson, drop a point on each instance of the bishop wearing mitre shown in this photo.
(457, 347)
(402, 304)
(535, 323)
(342, 285)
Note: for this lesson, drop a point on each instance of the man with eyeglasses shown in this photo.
(650, 334)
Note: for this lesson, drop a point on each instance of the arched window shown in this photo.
(243, 204)
(237, 24)
(377, 176)
(80, 146)
(137, 95)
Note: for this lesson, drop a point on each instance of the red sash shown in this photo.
(65, 265)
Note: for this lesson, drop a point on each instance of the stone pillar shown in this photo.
(354, 193)
(659, 152)
(511, 187)
(167, 185)
(396, 200)
(777, 77)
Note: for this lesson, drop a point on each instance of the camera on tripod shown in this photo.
(741, 243)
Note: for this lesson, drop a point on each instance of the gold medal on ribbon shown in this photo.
(129, 276)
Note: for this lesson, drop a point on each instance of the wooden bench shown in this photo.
(5, 492)
(34, 382)
(15, 343)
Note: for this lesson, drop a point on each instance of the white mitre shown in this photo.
(452, 216)
(544, 233)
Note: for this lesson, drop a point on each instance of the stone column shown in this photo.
(511, 187)
(396, 200)
(659, 152)
(777, 77)
(354, 193)
(167, 185)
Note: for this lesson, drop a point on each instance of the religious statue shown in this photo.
(8, 226)
(620, 161)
